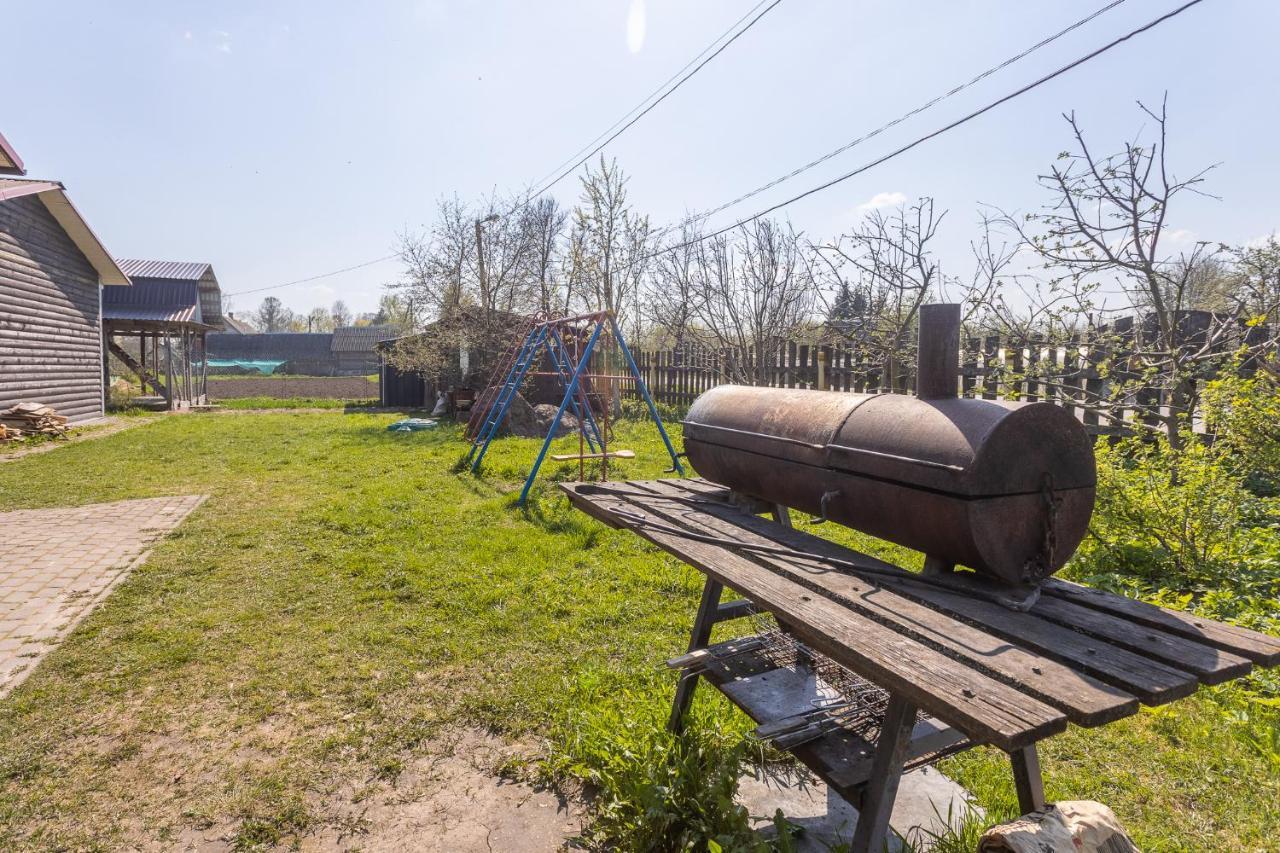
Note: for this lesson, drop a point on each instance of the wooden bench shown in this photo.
(960, 668)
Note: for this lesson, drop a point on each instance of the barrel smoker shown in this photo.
(1004, 488)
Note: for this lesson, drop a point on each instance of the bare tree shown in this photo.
(544, 221)
(671, 298)
(752, 291)
(272, 316)
(504, 244)
(610, 241)
(319, 320)
(339, 314)
(888, 261)
(1108, 221)
(436, 264)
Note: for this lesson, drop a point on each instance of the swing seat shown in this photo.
(612, 454)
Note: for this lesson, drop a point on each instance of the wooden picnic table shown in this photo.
(960, 667)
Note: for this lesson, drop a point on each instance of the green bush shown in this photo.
(1197, 528)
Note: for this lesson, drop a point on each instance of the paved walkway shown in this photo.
(56, 565)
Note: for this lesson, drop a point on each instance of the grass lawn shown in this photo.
(344, 594)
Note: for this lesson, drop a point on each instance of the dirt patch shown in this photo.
(458, 798)
(327, 387)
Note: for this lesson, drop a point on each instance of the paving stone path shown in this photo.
(56, 565)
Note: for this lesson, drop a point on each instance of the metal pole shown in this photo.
(644, 392)
(168, 368)
(938, 354)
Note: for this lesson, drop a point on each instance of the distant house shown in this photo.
(355, 348)
(236, 326)
(53, 273)
(157, 328)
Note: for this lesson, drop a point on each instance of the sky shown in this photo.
(284, 139)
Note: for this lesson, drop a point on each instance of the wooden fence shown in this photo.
(991, 367)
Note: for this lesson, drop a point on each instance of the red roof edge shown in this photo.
(10, 162)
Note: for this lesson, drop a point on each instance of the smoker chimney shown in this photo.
(938, 358)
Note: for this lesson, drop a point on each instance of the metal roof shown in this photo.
(180, 270)
(10, 162)
(360, 338)
(154, 301)
(54, 197)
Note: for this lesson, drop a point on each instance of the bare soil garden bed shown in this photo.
(333, 387)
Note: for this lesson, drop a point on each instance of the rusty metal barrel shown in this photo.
(1004, 488)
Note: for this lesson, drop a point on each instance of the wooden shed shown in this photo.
(52, 273)
(157, 328)
(355, 348)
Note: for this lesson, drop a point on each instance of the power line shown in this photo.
(699, 217)
(316, 277)
(646, 110)
(614, 135)
(652, 94)
(920, 140)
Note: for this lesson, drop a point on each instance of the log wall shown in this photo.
(50, 315)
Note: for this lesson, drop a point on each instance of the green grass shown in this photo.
(345, 593)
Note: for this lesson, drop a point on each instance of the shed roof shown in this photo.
(10, 162)
(153, 301)
(175, 273)
(54, 196)
(182, 270)
(360, 338)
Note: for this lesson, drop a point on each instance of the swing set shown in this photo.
(561, 341)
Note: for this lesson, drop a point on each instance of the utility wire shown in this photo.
(652, 94)
(316, 277)
(699, 217)
(564, 174)
(611, 132)
(921, 140)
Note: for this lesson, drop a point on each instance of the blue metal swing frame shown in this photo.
(546, 336)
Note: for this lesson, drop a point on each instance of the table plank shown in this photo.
(1262, 649)
(1086, 700)
(1152, 681)
(986, 710)
(1210, 662)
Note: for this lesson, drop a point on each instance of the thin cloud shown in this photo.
(224, 41)
(880, 200)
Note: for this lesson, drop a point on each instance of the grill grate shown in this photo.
(859, 706)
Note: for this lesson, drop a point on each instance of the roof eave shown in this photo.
(60, 206)
(10, 162)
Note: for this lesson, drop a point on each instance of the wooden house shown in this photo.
(53, 273)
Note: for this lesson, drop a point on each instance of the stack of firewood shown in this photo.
(31, 419)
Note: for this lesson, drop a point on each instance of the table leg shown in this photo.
(1027, 779)
(886, 773)
(699, 638)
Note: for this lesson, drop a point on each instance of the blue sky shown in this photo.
(283, 139)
